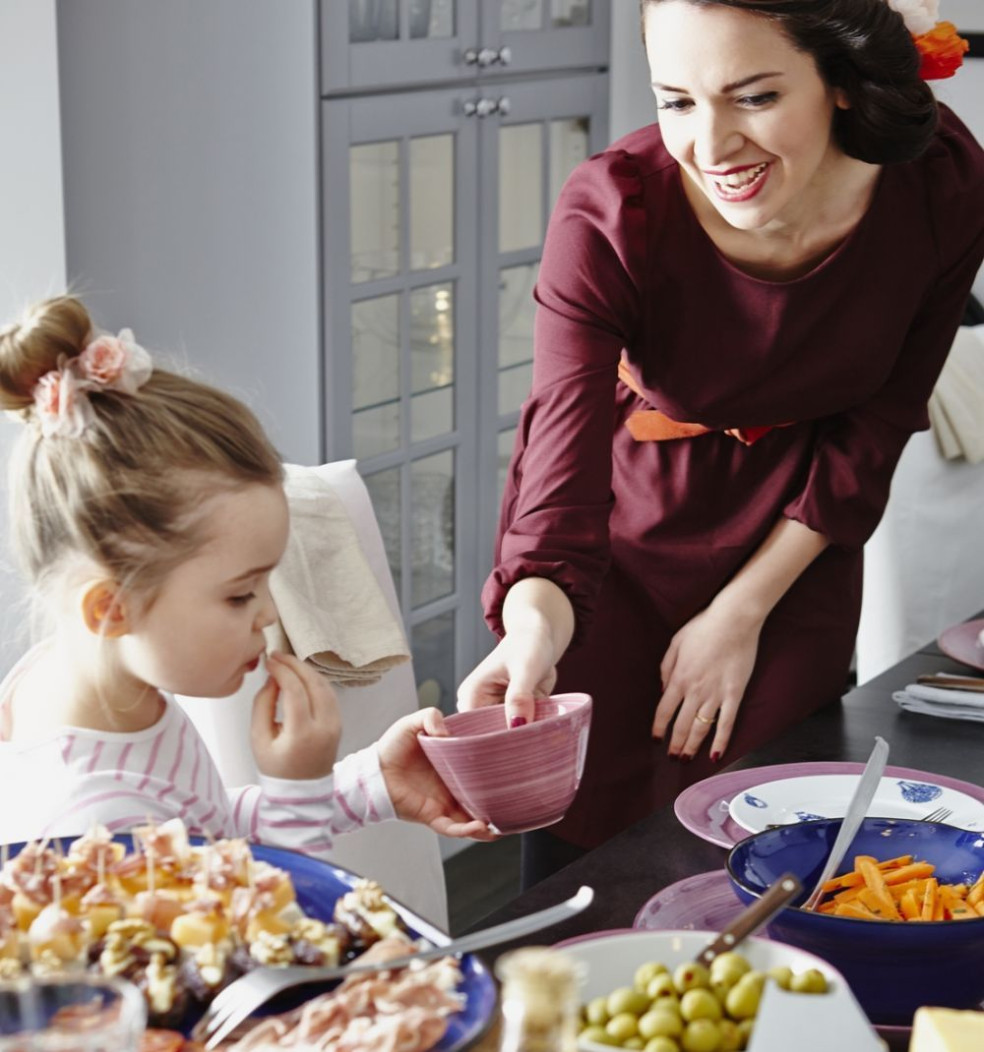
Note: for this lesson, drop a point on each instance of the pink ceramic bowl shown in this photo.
(518, 779)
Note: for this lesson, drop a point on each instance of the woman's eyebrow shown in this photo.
(733, 86)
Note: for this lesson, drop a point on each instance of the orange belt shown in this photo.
(652, 425)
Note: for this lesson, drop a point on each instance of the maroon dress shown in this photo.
(642, 535)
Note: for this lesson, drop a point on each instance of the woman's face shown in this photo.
(746, 116)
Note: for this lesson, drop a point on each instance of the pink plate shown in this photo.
(962, 643)
(703, 807)
(703, 902)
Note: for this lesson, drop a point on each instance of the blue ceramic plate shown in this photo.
(317, 885)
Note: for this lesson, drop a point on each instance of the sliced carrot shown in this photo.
(854, 909)
(929, 899)
(909, 905)
(880, 904)
(915, 871)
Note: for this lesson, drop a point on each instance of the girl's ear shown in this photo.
(103, 610)
(841, 99)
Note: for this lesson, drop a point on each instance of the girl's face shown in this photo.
(746, 116)
(204, 631)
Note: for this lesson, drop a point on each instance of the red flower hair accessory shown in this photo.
(940, 47)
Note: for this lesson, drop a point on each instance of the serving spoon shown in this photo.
(857, 808)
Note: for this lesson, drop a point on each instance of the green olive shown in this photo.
(596, 1011)
(691, 976)
(782, 975)
(660, 1022)
(625, 999)
(662, 1044)
(745, 1031)
(661, 986)
(702, 1035)
(743, 1000)
(596, 1034)
(623, 1026)
(645, 974)
(731, 1039)
(812, 981)
(700, 1004)
(728, 968)
(635, 1043)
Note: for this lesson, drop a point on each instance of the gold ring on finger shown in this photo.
(704, 719)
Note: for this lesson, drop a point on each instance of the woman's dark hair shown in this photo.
(863, 48)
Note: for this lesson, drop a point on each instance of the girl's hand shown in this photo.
(303, 743)
(417, 792)
(519, 670)
(705, 671)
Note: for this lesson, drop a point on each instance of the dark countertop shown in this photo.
(658, 851)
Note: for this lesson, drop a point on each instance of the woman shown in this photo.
(780, 266)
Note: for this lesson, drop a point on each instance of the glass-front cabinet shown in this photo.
(435, 204)
(380, 43)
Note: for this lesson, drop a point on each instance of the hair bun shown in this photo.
(55, 328)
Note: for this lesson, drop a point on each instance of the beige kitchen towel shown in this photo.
(331, 608)
(956, 406)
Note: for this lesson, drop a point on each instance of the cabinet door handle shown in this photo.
(484, 107)
(480, 107)
(488, 56)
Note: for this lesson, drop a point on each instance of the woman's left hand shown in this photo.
(417, 792)
(705, 671)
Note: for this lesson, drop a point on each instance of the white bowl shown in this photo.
(785, 1021)
(610, 959)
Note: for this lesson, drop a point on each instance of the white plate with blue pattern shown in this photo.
(791, 800)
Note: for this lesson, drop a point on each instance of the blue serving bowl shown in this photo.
(892, 967)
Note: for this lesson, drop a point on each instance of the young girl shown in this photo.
(148, 512)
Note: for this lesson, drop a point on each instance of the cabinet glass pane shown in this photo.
(374, 199)
(432, 527)
(520, 187)
(565, 13)
(568, 148)
(384, 492)
(375, 376)
(521, 14)
(433, 663)
(516, 311)
(431, 201)
(431, 18)
(507, 439)
(373, 20)
(432, 361)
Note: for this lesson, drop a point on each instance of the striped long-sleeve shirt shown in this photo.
(62, 785)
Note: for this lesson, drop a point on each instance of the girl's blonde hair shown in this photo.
(127, 492)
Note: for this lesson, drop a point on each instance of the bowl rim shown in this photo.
(931, 925)
(575, 700)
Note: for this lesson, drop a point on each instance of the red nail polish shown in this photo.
(517, 721)
(715, 756)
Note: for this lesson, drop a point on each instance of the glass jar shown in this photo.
(540, 1002)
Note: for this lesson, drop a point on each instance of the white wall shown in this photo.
(32, 248)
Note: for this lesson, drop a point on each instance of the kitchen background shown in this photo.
(339, 220)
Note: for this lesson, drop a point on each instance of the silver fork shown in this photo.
(941, 814)
(243, 996)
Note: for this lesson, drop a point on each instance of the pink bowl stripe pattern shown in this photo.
(515, 779)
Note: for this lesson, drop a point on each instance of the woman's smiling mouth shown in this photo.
(739, 184)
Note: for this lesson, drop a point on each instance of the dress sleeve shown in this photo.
(856, 452)
(557, 501)
(307, 815)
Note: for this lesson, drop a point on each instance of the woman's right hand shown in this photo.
(519, 670)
